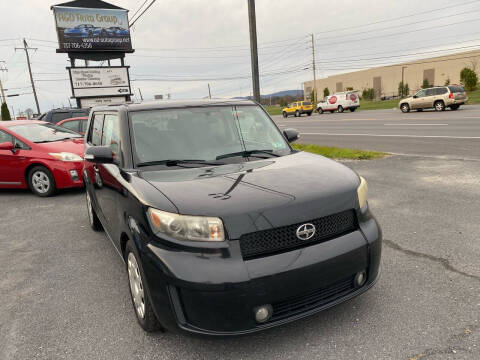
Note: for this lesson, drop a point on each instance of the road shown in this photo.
(454, 134)
(64, 290)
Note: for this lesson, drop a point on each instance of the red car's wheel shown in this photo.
(41, 181)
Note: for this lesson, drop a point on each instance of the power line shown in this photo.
(141, 6)
(398, 33)
(26, 48)
(143, 12)
(443, 8)
(396, 26)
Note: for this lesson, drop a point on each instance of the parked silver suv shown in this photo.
(438, 98)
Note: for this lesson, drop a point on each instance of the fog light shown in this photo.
(74, 175)
(360, 278)
(263, 313)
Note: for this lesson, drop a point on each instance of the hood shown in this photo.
(263, 194)
(75, 146)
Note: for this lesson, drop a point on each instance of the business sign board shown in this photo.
(83, 29)
(91, 102)
(100, 81)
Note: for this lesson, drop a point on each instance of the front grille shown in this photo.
(282, 239)
(311, 300)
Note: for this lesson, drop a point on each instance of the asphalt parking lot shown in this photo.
(64, 290)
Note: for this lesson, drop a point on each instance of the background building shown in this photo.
(384, 80)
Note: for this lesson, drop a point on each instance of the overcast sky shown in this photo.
(179, 40)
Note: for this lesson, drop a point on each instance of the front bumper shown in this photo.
(215, 292)
(61, 171)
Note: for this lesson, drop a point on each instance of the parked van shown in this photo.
(347, 100)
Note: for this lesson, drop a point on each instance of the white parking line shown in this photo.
(406, 136)
(415, 124)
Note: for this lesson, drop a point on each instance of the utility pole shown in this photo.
(26, 48)
(141, 96)
(209, 92)
(254, 50)
(403, 84)
(315, 95)
(4, 100)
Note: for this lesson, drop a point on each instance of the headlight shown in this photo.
(183, 227)
(362, 192)
(65, 156)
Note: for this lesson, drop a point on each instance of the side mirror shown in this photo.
(99, 155)
(415, 96)
(291, 135)
(6, 146)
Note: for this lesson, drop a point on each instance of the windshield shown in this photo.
(39, 133)
(205, 133)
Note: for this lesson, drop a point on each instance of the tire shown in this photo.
(352, 109)
(309, 114)
(141, 300)
(405, 108)
(454, 107)
(41, 181)
(320, 110)
(297, 114)
(93, 220)
(340, 108)
(285, 115)
(439, 105)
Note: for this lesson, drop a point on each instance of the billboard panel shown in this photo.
(99, 81)
(82, 29)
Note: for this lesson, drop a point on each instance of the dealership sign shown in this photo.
(86, 29)
(99, 81)
(99, 101)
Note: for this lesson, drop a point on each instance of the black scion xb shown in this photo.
(224, 228)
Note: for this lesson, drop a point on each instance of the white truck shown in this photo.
(341, 101)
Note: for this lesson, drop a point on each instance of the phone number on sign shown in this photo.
(77, 46)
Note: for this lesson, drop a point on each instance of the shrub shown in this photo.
(447, 82)
(425, 84)
(326, 92)
(349, 88)
(368, 94)
(403, 89)
(5, 113)
(469, 79)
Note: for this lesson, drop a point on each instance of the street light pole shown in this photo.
(254, 50)
(403, 84)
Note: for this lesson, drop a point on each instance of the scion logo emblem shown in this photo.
(305, 231)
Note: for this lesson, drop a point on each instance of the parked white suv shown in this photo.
(348, 100)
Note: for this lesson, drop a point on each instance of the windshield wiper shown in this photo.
(248, 153)
(178, 162)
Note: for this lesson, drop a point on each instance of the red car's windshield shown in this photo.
(42, 133)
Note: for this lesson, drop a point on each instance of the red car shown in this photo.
(77, 124)
(40, 156)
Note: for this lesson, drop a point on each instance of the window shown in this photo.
(44, 133)
(306, 103)
(59, 116)
(429, 92)
(4, 137)
(95, 135)
(72, 125)
(202, 133)
(80, 113)
(440, 91)
(83, 125)
(421, 93)
(456, 89)
(111, 134)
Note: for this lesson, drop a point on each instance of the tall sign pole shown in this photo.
(315, 95)
(1, 86)
(26, 48)
(253, 50)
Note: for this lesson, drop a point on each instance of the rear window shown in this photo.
(456, 89)
(80, 113)
(307, 103)
(59, 116)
